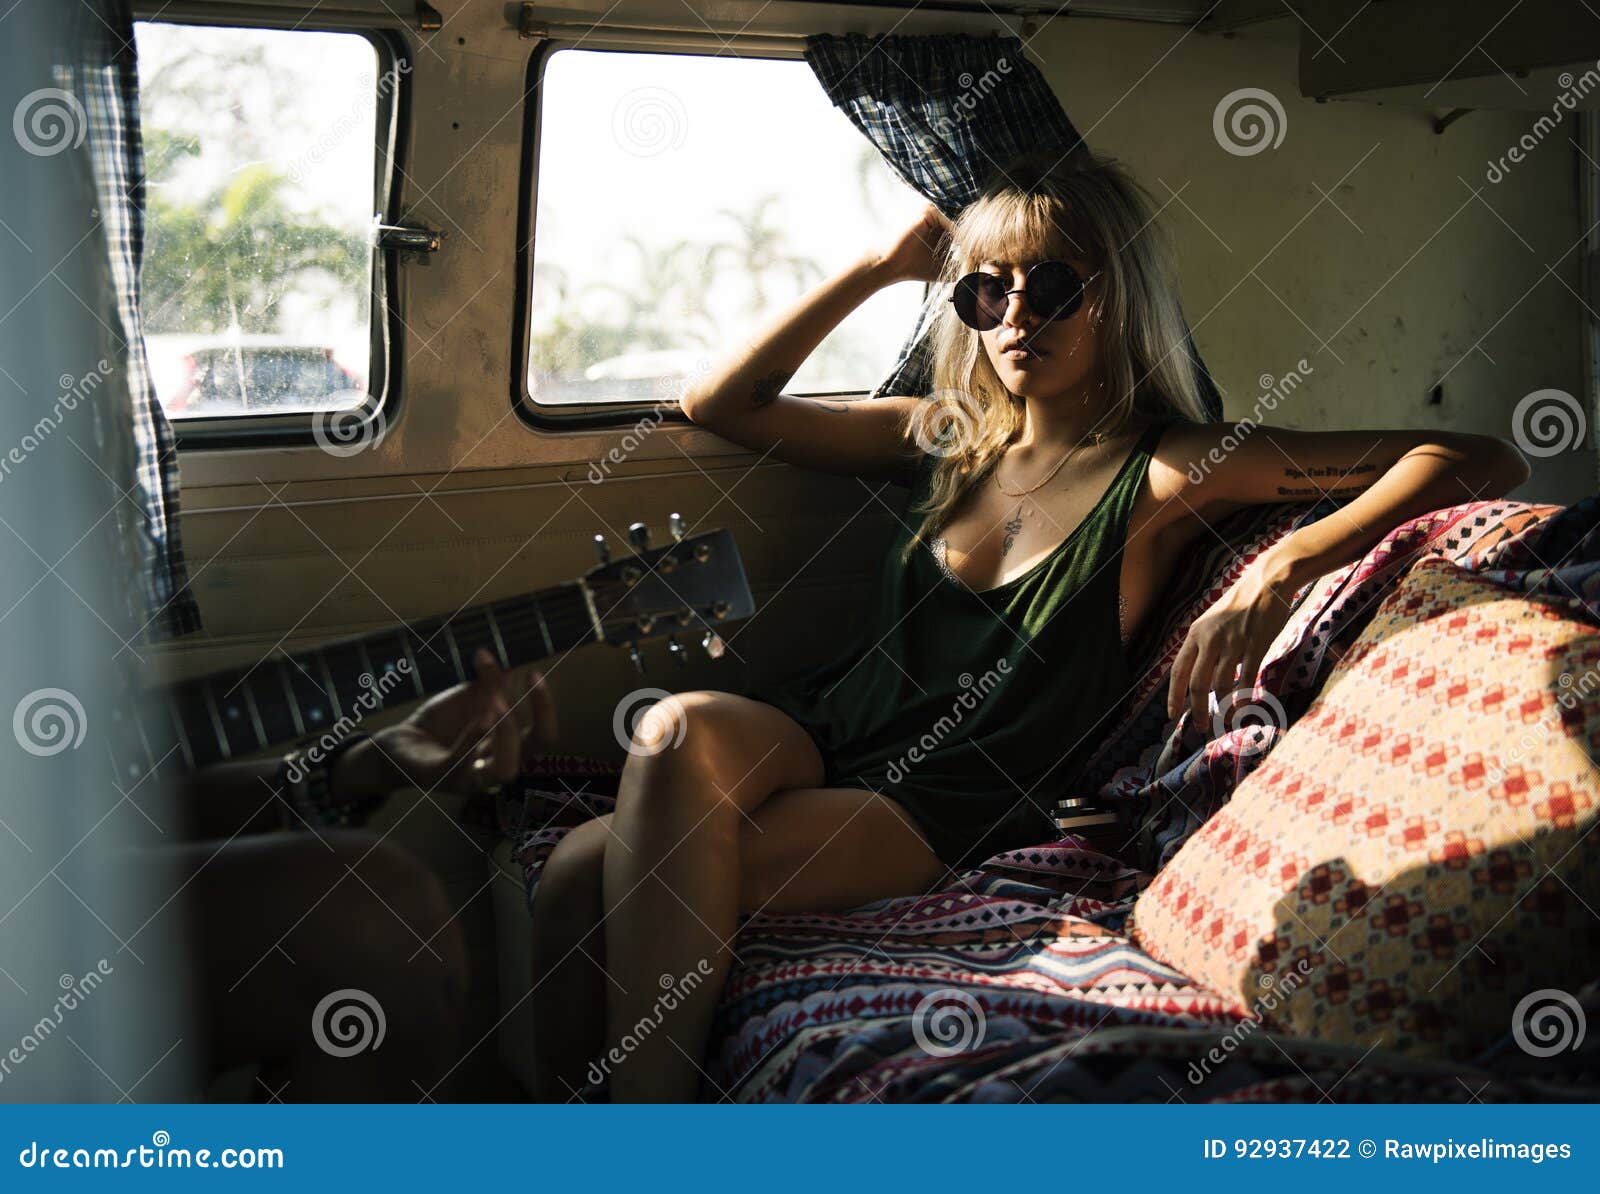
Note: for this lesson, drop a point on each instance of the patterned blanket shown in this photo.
(1013, 982)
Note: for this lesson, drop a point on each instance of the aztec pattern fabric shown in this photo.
(827, 1007)
(1416, 856)
(108, 89)
(948, 112)
(1006, 985)
(1166, 778)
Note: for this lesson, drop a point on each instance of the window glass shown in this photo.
(257, 281)
(683, 202)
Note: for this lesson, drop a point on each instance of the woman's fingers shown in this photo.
(541, 706)
(1178, 685)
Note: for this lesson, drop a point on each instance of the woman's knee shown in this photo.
(699, 754)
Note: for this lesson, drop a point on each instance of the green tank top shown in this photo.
(974, 710)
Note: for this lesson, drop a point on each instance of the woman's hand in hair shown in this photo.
(918, 253)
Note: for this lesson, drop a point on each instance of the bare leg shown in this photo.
(674, 872)
(569, 976)
(804, 850)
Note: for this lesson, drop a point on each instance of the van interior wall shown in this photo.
(1365, 245)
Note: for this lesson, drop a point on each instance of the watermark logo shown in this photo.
(973, 690)
(1572, 91)
(49, 121)
(947, 423)
(1548, 423)
(673, 991)
(649, 121)
(350, 430)
(1274, 990)
(1273, 391)
(73, 391)
(1246, 709)
(74, 992)
(374, 691)
(946, 1022)
(1248, 121)
(347, 1022)
(600, 469)
(974, 89)
(1547, 1022)
(48, 721)
(355, 119)
(648, 721)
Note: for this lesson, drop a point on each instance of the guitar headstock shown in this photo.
(695, 583)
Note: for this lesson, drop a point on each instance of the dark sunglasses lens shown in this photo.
(1054, 290)
(980, 301)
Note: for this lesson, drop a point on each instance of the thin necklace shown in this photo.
(1046, 478)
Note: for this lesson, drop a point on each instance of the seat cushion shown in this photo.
(1414, 857)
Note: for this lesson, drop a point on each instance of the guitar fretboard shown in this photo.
(330, 689)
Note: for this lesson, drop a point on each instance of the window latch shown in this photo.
(407, 238)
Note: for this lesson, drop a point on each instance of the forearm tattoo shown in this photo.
(768, 388)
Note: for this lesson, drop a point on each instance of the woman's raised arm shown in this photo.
(742, 399)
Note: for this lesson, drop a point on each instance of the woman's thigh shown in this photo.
(802, 850)
(828, 849)
(718, 746)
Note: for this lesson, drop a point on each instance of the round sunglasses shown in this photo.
(1053, 290)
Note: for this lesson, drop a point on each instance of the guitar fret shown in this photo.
(455, 651)
(255, 714)
(216, 718)
(411, 658)
(144, 737)
(326, 684)
(544, 629)
(332, 689)
(181, 730)
(499, 643)
(288, 691)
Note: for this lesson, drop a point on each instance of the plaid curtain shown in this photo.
(946, 111)
(107, 86)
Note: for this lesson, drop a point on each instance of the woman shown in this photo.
(1053, 493)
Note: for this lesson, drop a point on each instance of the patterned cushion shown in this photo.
(1414, 856)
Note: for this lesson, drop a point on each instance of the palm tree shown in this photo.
(760, 250)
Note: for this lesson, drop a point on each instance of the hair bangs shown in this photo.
(1013, 228)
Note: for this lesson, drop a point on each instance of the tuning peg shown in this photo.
(676, 648)
(638, 660)
(601, 550)
(639, 536)
(675, 524)
(713, 644)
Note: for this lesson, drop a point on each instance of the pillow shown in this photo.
(1414, 857)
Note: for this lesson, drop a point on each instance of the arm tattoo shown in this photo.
(1330, 471)
(837, 408)
(767, 389)
(1338, 491)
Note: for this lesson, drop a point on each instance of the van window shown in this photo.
(260, 153)
(683, 200)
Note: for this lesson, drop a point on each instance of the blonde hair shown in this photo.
(1087, 207)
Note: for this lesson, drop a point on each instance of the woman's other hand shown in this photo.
(918, 253)
(472, 736)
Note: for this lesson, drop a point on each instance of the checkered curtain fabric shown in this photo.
(107, 85)
(947, 112)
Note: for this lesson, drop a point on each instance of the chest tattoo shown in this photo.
(1013, 529)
